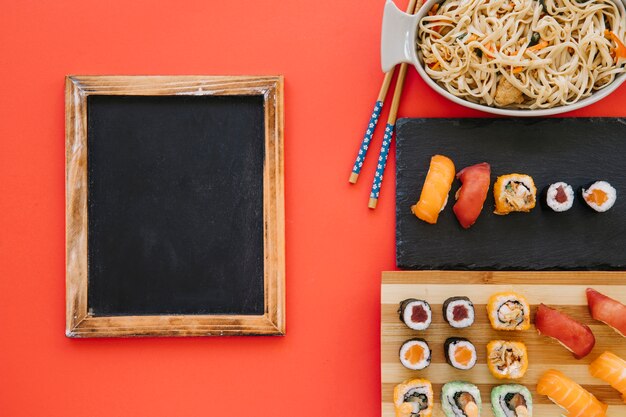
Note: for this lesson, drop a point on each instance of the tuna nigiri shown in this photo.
(476, 180)
(607, 310)
(567, 394)
(574, 336)
(437, 185)
(612, 369)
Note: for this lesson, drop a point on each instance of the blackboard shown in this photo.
(575, 150)
(176, 208)
(175, 204)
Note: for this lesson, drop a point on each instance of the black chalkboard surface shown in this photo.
(175, 204)
(577, 151)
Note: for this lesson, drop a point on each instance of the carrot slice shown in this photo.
(538, 46)
(620, 50)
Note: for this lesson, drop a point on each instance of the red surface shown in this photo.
(328, 364)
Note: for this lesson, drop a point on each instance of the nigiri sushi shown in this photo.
(413, 398)
(436, 188)
(607, 310)
(567, 394)
(574, 336)
(471, 197)
(612, 369)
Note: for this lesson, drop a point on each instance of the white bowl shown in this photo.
(398, 45)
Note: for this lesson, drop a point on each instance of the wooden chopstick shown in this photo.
(371, 126)
(389, 128)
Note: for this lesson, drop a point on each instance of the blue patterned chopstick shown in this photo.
(384, 150)
(369, 132)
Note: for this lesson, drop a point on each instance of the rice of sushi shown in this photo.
(457, 396)
(600, 196)
(415, 354)
(460, 353)
(458, 312)
(560, 197)
(506, 398)
(416, 314)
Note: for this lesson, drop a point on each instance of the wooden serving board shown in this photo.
(563, 290)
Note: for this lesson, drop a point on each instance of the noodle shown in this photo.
(525, 54)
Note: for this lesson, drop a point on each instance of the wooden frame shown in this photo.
(79, 321)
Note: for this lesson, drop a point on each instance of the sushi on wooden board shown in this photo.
(565, 292)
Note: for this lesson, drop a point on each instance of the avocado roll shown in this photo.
(415, 354)
(508, 311)
(514, 192)
(506, 359)
(413, 398)
(460, 353)
(511, 400)
(458, 312)
(460, 399)
(416, 314)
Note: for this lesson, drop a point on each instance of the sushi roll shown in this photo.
(506, 359)
(559, 197)
(415, 354)
(460, 353)
(508, 311)
(600, 196)
(514, 192)
(416, 314)
(413, 398)
(511, 400)
(458, 312)
(434, 195)
(460, 399)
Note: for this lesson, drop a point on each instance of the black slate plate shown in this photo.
(577, 151)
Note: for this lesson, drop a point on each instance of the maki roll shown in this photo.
(514, 192)
(508, 311)
(415, 354)
(460, 353)
(559, 196)
(600, 196)
(506, 359)
(458, 312)
(460, 399)
(416, 314)
(511, 400)
(413, 398)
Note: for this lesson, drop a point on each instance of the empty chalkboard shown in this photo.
(179, 199)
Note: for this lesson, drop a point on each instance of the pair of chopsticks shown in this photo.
(389, 128)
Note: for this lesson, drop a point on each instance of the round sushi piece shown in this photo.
(458, 312)
(413, 398)
(460, 399)
(600, 196)
(415, 354)
(460, 353)
(507, 359)
(559, 196)
(511, 400)
(416, 314)
(514, 192)
(508, 311)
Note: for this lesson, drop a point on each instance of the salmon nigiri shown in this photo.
(567, 394)
(612, 369)
(436, 188)
(607, 310)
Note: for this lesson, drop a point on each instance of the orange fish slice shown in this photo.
(435, 190)
(612, 369)
(567, 394)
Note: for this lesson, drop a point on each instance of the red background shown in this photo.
(328, 51)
